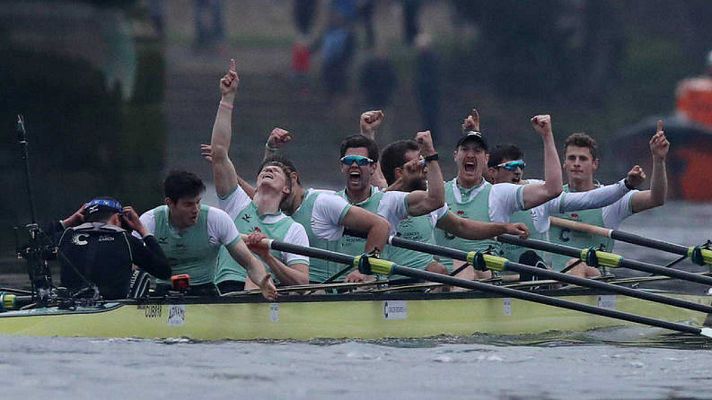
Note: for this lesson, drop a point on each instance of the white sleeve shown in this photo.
(437, 214)
(504, 200)
(235, 202)
(298, 236)
(327, 216)
(540, 217)
(614, 214)
(149, 222)
(394, 208)
(221, 228)
(590, 199)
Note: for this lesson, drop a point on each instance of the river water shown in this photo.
(624, 363)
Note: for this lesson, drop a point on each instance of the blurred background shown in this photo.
(116, 93)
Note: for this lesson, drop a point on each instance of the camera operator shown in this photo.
(95, 248)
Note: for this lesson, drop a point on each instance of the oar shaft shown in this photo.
(518, 267)
(311, 252)
(632, 264)
(622, 236)
(580, 226)
(538, 298)
(642, 241)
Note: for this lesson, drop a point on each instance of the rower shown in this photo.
(359, 157)
(259, 217)
(96, 250)
(470, 196)
(191, 235)
(581, 163)
(506, 164)
(324, 216)
(403, 170)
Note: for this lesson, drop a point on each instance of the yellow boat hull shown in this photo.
(314, 317)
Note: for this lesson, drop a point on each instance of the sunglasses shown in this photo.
(361, 161)
(512, 165)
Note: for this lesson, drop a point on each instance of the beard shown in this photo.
(418, 184)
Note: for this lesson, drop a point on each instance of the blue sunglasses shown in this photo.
(361, 161)
(512, 165)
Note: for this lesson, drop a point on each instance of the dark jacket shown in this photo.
(104, 254)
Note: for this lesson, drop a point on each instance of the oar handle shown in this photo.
(580, 227)
(699, 255)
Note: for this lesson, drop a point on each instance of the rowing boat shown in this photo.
(359, 315)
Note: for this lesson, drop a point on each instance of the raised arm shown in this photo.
(659, 147)
(477, 230)
(601, 196)
(472, 122)
(207, 153)
(276, 140)
(422, 202)
(535, 194)
(369, 123)
(224, 173)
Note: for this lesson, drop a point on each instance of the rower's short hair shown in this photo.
(355, 141)
(284, 164)
(393, 156)
(182, 184)
(504, 152)
(581, 139)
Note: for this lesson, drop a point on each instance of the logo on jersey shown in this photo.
(80, 239)
(246, 218)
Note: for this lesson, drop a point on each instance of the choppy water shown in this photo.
(630, 363)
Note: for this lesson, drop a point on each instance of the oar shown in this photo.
(698, 254)
(501, 264)
(18, 291)
(596, 258)
(372, 266)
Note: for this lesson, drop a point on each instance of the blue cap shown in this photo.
(103, 204)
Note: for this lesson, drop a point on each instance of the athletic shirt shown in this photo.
(194, 250)
(486, 203)
(390, 205)
(321, 214)
(512, 252)
(100, 253)
(419, 229)
(247, 220)
(609, 216)
(537, 218)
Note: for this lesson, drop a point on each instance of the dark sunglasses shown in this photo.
(512, 165)
(359, 160)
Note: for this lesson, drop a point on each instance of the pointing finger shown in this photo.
(660, 125)
(233, 66)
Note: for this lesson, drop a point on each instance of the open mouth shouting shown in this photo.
(354, 177)
(470, 167)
